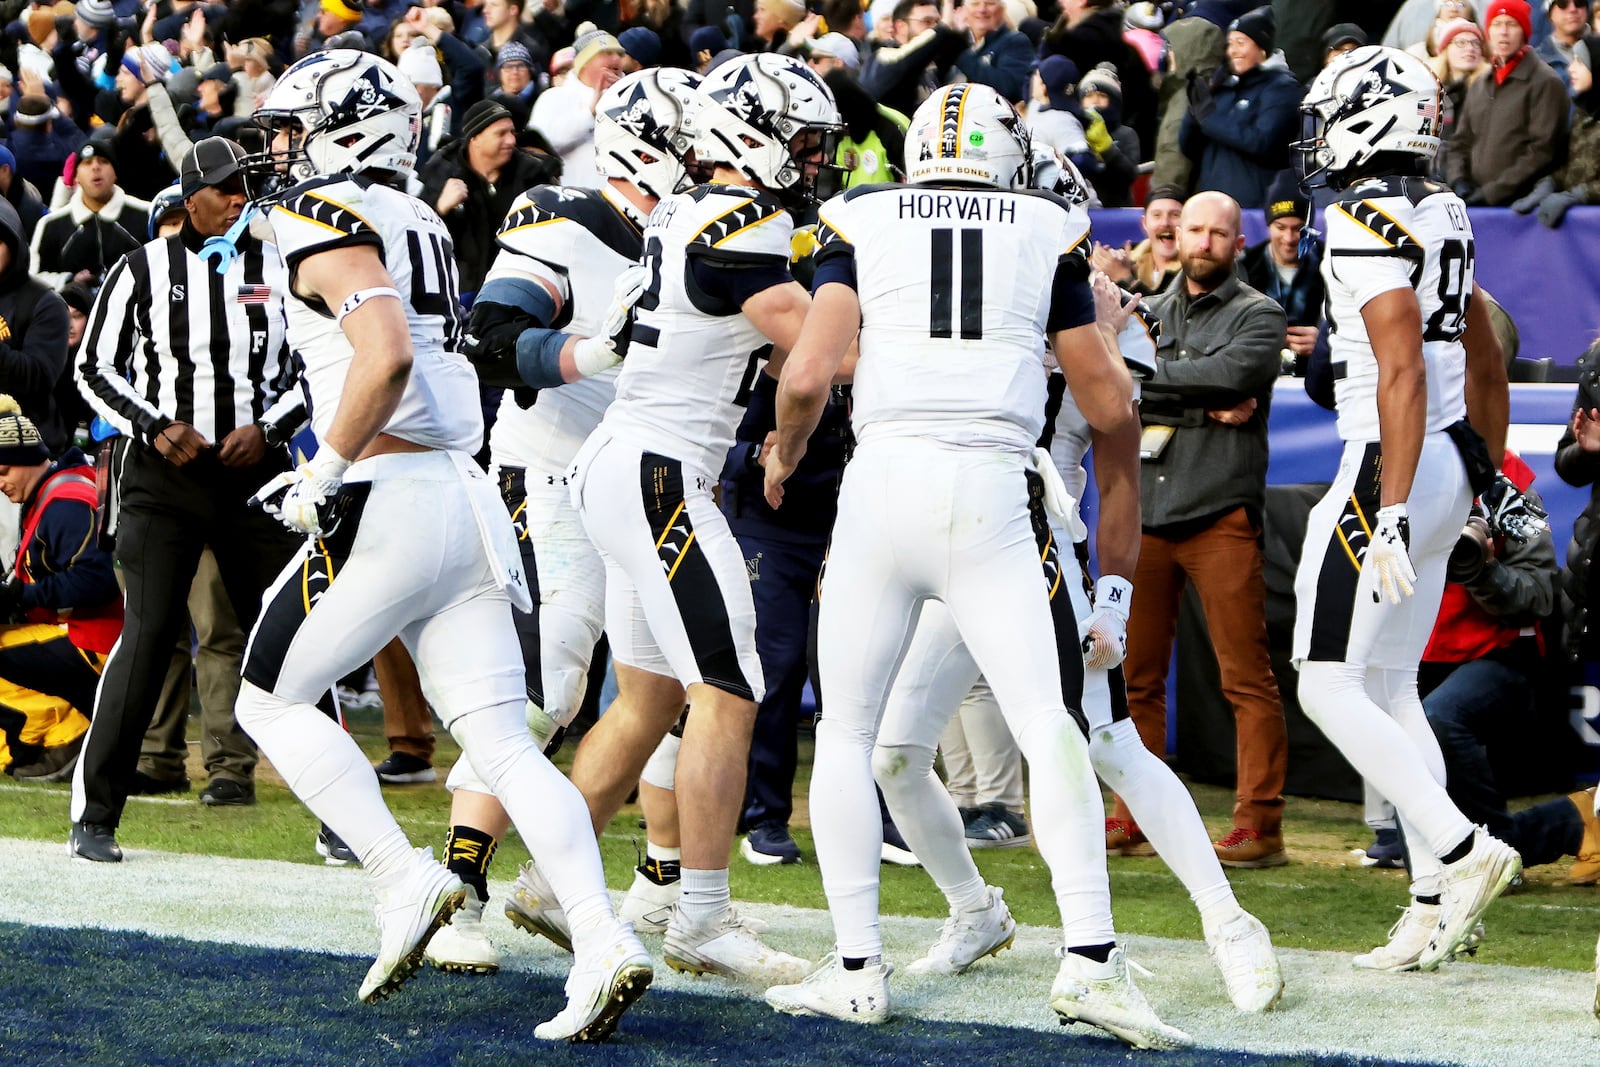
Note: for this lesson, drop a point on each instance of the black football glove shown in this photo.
(491, 345)
(1510, 513)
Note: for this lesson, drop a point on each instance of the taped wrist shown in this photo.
(539, 357)
(1114, 594)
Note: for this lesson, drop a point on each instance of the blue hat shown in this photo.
(1060, 77)
(642, 44)
(6, 158)
(707, 39)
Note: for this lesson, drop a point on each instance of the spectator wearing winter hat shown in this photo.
(420, 63)
(1341, 37)
(564, 114)
(1460, 62)
(641, 48)
(1241, 121)
(1427, 46)
(20, 193)
(85, 238)
(1512, 130)
(1089, 32)
(706, 42)
(1100, 92)
(513, 86)
(41, 139)
(503, 25)
(1286, 268)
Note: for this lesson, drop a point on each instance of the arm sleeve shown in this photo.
(1071, 298)
(174, 142)
(105, 358)
(467, 71)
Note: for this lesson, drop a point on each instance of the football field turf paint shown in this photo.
(170, 958)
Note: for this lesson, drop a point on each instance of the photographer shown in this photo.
(1479, 676)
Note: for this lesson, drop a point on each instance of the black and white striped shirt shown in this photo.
(171, 340)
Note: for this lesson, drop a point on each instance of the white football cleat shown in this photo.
(1103, 995)
(835, 993)
(970, 935)
(463, 946)
(409, 914)
(1471, 884)
(729, 946)
(649, 905)
(600, 989)
(1243, 953)
(533, 907)
(1408, 937)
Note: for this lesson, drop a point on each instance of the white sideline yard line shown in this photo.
(1496, 1016)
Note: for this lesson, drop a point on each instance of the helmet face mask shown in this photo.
(337, 112)
(1367, 101)
(773, 120)
(969, 134)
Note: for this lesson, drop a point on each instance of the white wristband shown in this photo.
(1114, 594)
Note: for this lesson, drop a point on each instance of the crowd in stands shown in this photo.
(102, 101)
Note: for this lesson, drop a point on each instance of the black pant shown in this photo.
(168, 516)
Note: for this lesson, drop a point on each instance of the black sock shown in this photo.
(661, 872)
(1459, 851)
(857, 963)
(1433, 900)
(468, 852)
(1098, 953)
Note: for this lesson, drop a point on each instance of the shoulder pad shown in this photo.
(321, 215)
(1356, 224)
(744, 227)
(533, 217)
(862, 190)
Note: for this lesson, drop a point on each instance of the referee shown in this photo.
(192, 367)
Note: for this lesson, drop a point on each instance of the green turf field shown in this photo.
(1323, 900)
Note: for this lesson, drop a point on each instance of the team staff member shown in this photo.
(191, 365)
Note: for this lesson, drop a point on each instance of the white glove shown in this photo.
(1389, 555)
(1060, 504)
(606, 349)
(1105, 631)
(300, 498)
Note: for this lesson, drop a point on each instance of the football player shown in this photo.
(404, 533)
(1414, 356)
(718, 303)
(954, 282)
(938, 672)
(562, 252)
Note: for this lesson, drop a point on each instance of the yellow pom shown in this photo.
(9, 406)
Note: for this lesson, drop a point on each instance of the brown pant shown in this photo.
(225, 750)
(407, 722)
(1224, 563)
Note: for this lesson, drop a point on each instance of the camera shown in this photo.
(1472, 551)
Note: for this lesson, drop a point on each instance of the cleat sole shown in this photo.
(412, 961)
(631, 984)
(522, 922)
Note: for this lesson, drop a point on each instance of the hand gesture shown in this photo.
(452, 196)
(806, 30)
(180, 443)
(1110, 311)
(1237, 415)
(1115, 263)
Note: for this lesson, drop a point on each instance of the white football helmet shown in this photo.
(1055, 173)
(969, 133)
(645, 129)
(1369, 100)
(346, 112)
(758, 111)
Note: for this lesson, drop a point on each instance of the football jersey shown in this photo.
(692, 356)
(579, 240)
(956, 289)
(1397, 233)
(1071, 435)
(440, 407)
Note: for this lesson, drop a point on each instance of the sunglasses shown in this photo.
(1564, 4)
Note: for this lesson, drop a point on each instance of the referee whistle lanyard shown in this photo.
(225, 249)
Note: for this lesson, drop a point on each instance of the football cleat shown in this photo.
(409, 914)
(729, 946)
(1103, 995)
(600, 989)
(1243, 953)
(1471, 884)
(969, 935)
(835, 993)
(533, 907)
(649, 905)
(463, 946)
(1408, 937)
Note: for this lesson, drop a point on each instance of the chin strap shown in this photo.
(225, 249)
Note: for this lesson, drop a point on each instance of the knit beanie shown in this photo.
(1102, 79)
(480, 117)
(1517, 9)
(1260, 25)
(1285, 199)
(1455, 28)
(97, 13)
(420, 63)
(20, 443)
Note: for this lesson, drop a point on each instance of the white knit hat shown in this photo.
(420, 63)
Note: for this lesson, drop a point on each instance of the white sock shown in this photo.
(849, 844)
(1335, 697)
(929, 821)
(1165, 813)
(705, 895)
(327, 770)
(548, 811)
(664, 853)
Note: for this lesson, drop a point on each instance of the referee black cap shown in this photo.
(212, 162)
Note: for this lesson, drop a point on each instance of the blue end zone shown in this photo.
(103, 998)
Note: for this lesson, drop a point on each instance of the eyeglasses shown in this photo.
(1453, 5)
(1466, 40)
(1564, 4)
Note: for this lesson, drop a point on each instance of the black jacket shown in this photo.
(473, 225)
(33, 339)
(1098, 39)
